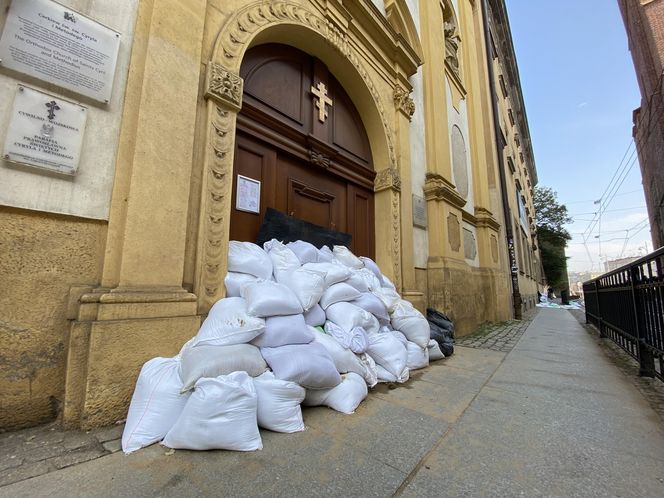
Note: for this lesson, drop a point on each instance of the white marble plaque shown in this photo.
(45, 131)
(48, 41)
(419, 212)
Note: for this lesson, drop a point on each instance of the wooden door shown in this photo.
(316, 171)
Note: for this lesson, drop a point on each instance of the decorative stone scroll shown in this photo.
(223, 86)
(403, 102)
(387, 178)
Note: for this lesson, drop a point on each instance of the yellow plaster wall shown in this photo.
(41, 256)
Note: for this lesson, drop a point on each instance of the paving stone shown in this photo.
(109, 433)
(113, 446)
(9, 461)
(68, 459)
(24, 472)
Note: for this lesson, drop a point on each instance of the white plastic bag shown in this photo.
(346, 257)
(212, 361)
(245, 257)
(219, 415)
(307, 285)
(434, 351)
(283, 259)
(266, 298)
(411, 322)
(228, 323)
(234, 282)
(305, 252)
(368, 302)
(332, 272)
(344, 359)
(344, 398)
(308, 365)
(337, 293)
(155, 405)
(355, 339)
(315, 316)
(388, 352)
(282, 330)
(417, 357)
(348, 316)
(279, 404)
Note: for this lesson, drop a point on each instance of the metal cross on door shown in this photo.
(320, 91)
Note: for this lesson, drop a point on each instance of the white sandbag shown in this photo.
(282, 330)
(234, 282)
(388, 352)
(279, 404)
(402, 338)
(411, 322)
(344, 359)
(315, 316)
(368, 302)
(228, 323)
(325, 255)
(385, 376)
(371, 265)
(348, 316)
(245, 257)
(434, 351)
(357, 281)
(220, 415)
(417, 357)
(370, 280)
(308, 365)
(355, 339)
(212, 361)
(267, 298)
(389, 297)
(332, 272)
(346, 257)
(155, 405)
(283, 259)
(305, 252)
(344, 398)
(387, 283)
(307, 285)
(337, 293)
(370, 374)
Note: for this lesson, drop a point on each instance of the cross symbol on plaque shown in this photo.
(320, 91)
(52, 107)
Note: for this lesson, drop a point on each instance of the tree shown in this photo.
(550, 218)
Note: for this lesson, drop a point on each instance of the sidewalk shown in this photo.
(553, 417)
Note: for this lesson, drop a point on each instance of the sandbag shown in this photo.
(388, 352)
(307, 285)
(332, 272)
(402, 338)
(283, 259)
(387, 283)
(308, 365)
(389, 297)
(368, 302)
(411, 322)
(228, 323)
(385, 376)
(370, 280)
(325, 255)
(245, 257)
(370, 265)
(282, 330)
(337, 293)
(348, 316)
(417, 357)
(370, 375)
(344, 359)
(305, 252)
(346, 257)
(355, 339)
(315, 316)
(267, 298)
(155, 405)
(234, 282)
(357, 281)
(344, 398)
(219, 415)
(435, 352)
(212, 361)
(279, 404)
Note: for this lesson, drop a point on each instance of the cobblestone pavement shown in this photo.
(38, 450)
(499, 336)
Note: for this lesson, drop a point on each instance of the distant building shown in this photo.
(617, 263)
(644, 22)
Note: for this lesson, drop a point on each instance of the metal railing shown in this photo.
(627, 306)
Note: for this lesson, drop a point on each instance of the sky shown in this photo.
(580, 89)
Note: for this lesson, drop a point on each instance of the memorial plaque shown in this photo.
(419, 212)
(45, 131)
(48, 41)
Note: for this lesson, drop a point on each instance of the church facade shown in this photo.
(380, 119)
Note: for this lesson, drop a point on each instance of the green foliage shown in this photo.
(551, 217)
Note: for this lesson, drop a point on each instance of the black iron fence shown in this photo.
(627, 306)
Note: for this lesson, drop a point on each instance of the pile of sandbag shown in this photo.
(299, 325)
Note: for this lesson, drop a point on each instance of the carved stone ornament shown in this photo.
(452, 42)
(453, 232)
(403, 101)
(224, 86)
(436, 187)
(319, 159)
(387, 178)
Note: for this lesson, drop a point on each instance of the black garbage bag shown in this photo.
(442, 330)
